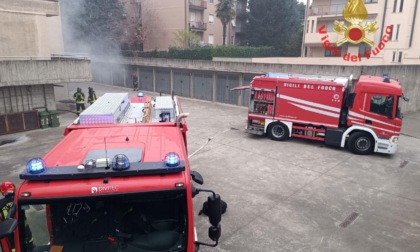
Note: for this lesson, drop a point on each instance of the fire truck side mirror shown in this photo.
(215, 210)
(215, 232)
(197, 178)
(7, 227)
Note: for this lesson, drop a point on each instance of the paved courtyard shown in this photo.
(282, 196)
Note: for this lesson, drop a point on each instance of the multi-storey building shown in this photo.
(161, 19)
(401, 45)
(32, 62)
(240, 21)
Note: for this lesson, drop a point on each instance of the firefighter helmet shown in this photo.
(79, 89)
(7, 187)
(90, 88)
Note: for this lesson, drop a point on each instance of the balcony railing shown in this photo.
(240, 12)
(198, 25)
(337, 9)
(239, 28)
(198, 4)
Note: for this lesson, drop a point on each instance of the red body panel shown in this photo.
(304, 101)
(155, 141)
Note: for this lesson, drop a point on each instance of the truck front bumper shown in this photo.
(388, 146)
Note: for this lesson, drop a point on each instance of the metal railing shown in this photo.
(198, 25)
(198, 4)
(332, 9)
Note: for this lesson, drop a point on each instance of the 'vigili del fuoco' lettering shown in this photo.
(352, 57)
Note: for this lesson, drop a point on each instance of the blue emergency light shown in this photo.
(35, 165)
(171, 159)
(120, 162)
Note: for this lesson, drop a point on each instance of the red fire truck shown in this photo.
(118, 181)
(366, 116)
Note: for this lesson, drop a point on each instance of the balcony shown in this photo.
(198, 5)
(327, 10)
(197, 26)
(333, 37)
(332, 10)
(240, 12)
(239, 28)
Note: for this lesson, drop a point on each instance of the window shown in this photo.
(211, 19)
(88, 222)
(401, 5)
(394, 53)
(392, 33)
(232, 40)
(398, 31)
(371, 1)
(211, 39)
(400, 54)
(333, 53)
(363, 49)
(395, 6)
(382, 105)
(211, 1)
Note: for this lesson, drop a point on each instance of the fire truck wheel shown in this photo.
(361, 143)
(278, 131)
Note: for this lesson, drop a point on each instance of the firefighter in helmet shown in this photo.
(8, 189)
(79, 98)
(92, 96)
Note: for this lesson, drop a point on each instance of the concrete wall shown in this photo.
(30, 28)
(211, 80)
(20, 73)
(25, 98)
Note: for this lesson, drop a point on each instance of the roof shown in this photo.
(154, 142)
(370, 84)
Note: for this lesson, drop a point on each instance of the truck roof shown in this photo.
(141, 144)
(343, 80)
(370, 84)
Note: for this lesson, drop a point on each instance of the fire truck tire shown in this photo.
(278, 131)
(361, 143)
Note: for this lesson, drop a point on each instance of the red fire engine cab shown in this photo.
(118, 181)
(366, 116)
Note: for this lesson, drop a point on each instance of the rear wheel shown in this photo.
(278, 131)
(361, 143)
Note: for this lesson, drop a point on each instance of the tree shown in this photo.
(225, 12)
(93, 26)
(138, 32)
(186, 39)
(276, 23)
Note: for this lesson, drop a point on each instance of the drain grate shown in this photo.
(353, 216)
(403, 164)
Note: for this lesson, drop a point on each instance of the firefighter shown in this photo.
(92, 96)
(79, 98)
(8, 189)
(135, 82)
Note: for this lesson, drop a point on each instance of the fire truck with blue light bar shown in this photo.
(118, 181)
(365, 117)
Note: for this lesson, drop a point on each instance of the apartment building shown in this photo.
(398, 28)
(161, 19)
(240, 21)
(32, 63)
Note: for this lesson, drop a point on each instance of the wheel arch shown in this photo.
(269, 121)
(354, 129)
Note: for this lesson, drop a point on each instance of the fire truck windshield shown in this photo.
(152, 221)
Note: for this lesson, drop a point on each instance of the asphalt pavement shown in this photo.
(296, 195)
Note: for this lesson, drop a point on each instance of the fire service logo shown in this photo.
(355, 14)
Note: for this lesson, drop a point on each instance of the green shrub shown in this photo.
(207, 53)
